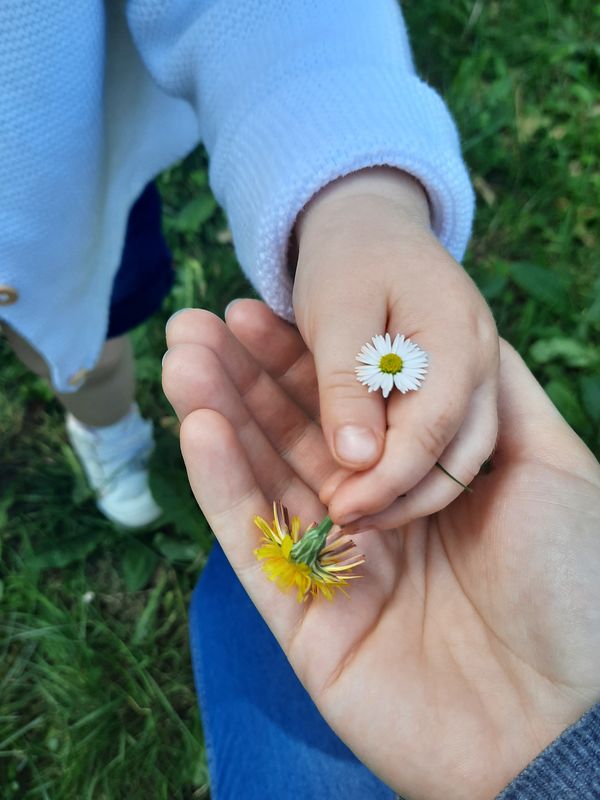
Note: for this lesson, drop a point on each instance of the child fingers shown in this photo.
(353, 419)
(279, 349)
(290, 363)
(463, 459)
(421, 426)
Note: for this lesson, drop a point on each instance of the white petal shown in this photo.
(369, 360)
(403, 350)
(374, 384)
(367, 373)
(406, 383)
(400, 382)
(373, 371)
(414, 364)
(398, 340)
(387, 384)
(416, 355)
(416, 373)
(380, 346)
(362, 378)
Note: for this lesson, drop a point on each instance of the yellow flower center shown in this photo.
(391, 364)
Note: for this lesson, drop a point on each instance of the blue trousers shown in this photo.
(265, 737)
(145, 273)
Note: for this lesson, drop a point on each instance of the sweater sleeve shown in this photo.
(568, 769)
(291, 96)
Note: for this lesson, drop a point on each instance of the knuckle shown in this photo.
(343, 385)
(475, 327)
(486, 443)
(483, 329)
(471, 470)
(434, 436)
(467, 474)
(487, 447)
(491, 435)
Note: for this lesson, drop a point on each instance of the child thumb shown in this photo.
(353, 419)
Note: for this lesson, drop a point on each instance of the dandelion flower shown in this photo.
(400, 363)
(315, 563)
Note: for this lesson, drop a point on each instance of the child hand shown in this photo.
(368, 263)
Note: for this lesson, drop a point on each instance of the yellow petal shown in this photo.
(286, 546)
(266, 529)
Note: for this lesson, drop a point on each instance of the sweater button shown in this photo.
(8, 295)
(78, 377)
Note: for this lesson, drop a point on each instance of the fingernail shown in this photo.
(361, 529)
(348, 520)
(172, 317)
(230, 305)
(356, 445)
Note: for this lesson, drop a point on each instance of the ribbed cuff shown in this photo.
(568, 769)
(269, 162)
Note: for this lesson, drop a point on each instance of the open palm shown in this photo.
(473, 638)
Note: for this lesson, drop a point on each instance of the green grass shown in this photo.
(96, 692)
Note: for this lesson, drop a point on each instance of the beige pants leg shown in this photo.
(108, 390)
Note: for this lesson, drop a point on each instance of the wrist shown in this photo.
(378, 190)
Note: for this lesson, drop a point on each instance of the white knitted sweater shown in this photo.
(98, 97)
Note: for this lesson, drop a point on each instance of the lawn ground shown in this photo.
(96, 692)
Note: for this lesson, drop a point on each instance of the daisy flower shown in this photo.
(315, 563)
(400, 363)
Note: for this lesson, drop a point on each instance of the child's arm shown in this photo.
(290, 98)
(369, 263)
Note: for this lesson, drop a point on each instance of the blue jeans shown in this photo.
(265, 738)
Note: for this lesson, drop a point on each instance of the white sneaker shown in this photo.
(114, 459)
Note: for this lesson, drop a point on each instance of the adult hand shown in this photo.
(368, 263)
(472, 640)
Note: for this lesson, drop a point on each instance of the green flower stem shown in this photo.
(445, 471)
(307, 549)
